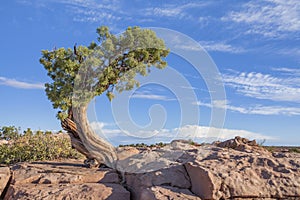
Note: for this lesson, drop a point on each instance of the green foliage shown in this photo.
(191, 142)
(9, 133)
(28, 132)
(294, 150)
(273, 149)
(37, 147)
(84, 72)
(143, 145)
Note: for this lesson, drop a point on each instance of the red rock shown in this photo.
(92, 191)
(53, 180)
(4, 178)
(166, 193)
(235, 169)
(175, 176)
(55, 173)
(241, 174)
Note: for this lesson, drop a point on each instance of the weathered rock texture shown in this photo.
(53, 180)
(4, 178)
(236, 169)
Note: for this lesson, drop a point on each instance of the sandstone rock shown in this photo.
(148, 161)
(239, 143)
(241, 174)
(181, 145)
(126, 152)
(4, 178)
(55, 173)
(93, 191)
(236, 169)
(166, 193)
(55, 180)
(2, 142)
(174, 176)
(204, 184)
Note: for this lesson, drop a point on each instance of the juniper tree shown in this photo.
(81, 73)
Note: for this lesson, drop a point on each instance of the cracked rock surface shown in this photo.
(233, 169)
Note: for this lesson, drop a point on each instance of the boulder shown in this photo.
(239, 143)
(139, 183)
(166, 193)
(4, 178)
(2, 142)
(126, 152)
(55, 173)
(93, 191)
(230, 173)
(182, 145)
(64, 180)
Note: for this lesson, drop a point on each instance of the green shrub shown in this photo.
(9, 133)
(294, 150)
(37, 147)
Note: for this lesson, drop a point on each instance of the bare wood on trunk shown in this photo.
(84, 139)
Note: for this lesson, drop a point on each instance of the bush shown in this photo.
(37, 147)
(9, 133)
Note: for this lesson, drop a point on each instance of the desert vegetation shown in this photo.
(17, 146)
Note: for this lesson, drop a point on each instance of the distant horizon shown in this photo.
(116, 143)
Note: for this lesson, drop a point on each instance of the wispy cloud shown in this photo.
(110, 12)
(152, 97)
(220, 46)
(216, 46)
(288, 71)
(272, 18)
(253, 109)
(85, 10)
(101, 127)
(189, 88)
(174, 10)
(265, 86)
(20, 84)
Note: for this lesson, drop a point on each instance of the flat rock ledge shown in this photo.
(236, 169)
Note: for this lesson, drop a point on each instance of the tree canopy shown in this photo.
(109, 64)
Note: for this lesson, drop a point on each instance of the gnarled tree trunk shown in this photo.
(86, 141)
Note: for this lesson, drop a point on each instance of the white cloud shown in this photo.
(189, 88)
(20, 84)
(113, 11)
(253, 109)
(220, 46)
(194, 132)
(288, 71)
(99, 128)
(167, 12)
(97, 125)
(151, 96)
(206, 45)
(84, 10)
(265, 86)
(187, 47)
(220, 133)
(268, 17)
(284, 86)
(173, 10)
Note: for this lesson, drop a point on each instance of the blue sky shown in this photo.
(254, 45)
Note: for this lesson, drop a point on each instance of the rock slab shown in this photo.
(237, 169)
(67, 180)
(4, 178)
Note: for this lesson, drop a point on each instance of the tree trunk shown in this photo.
(84, 139)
